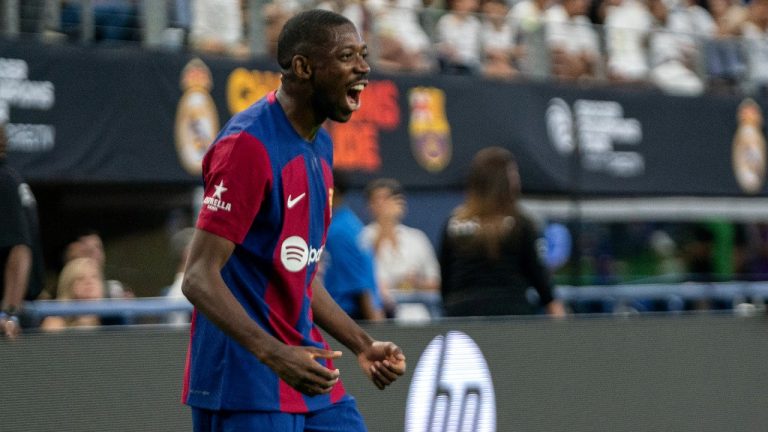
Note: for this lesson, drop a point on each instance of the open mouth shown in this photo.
(353, 95)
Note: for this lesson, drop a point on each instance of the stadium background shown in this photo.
(105, 137)
(113, 163)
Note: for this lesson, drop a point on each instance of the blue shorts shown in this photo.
(342, 416)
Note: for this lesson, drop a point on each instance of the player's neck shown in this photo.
(299, 113)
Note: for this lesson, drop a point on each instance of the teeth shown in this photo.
(358, 87)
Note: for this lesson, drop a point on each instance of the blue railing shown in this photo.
(724, 291)
(612, 295)
(129, 310)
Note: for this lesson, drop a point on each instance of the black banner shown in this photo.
(93, 115)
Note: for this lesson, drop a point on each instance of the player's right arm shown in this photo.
(205, 288)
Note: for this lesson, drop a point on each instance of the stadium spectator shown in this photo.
(702, 22)
(573, 43)
(404, 258)
(670, 266)
(672, 50)
(527, 15)
(114, 20)
(699, 258)
(627, 24)
(598, 9)
(754, 255)
(401, 43)
(276, 13)
(729, 15)
(80, 279)
(497, 38)
(347, 265)
(457, 36)
(21, 265)
(725, 62)
(488, 254)
(89, 244)
(526, 18)
(699, 255)
(217, 27)
(755, 33)
(354, 10)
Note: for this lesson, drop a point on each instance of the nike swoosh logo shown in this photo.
(293, 201)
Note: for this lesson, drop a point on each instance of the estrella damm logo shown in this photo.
(197, 120)
(429, 128)
(749, 153)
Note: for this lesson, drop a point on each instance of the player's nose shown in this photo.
(361, 65)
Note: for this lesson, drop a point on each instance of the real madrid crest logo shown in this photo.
(429, 129)
(197, 120)
(749, 153)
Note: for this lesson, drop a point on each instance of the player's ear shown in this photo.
(301, 67)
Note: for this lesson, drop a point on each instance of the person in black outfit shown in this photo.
(21, 267)
(488, 256)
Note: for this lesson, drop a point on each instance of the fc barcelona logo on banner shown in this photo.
(197, 120)
(429, 128)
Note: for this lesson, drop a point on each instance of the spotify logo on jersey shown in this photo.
(451, 388)
(295, 254)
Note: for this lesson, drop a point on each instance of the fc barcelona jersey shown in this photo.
(268, 191)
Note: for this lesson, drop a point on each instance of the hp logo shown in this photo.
(451, 389)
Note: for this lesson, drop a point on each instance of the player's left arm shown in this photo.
(369, 310)
(382, 362)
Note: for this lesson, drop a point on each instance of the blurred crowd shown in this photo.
(680, 46)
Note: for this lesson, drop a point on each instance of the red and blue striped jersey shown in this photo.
(267, 190)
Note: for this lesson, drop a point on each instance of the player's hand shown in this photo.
(383, 362)
(296, 365)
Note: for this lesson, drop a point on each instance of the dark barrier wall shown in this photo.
(685, 373)
(82, 114)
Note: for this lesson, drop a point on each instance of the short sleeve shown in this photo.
(237, 174)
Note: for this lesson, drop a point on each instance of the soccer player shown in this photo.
(257, 361)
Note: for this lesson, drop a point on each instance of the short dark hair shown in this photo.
(306, 32)
(392, 185)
